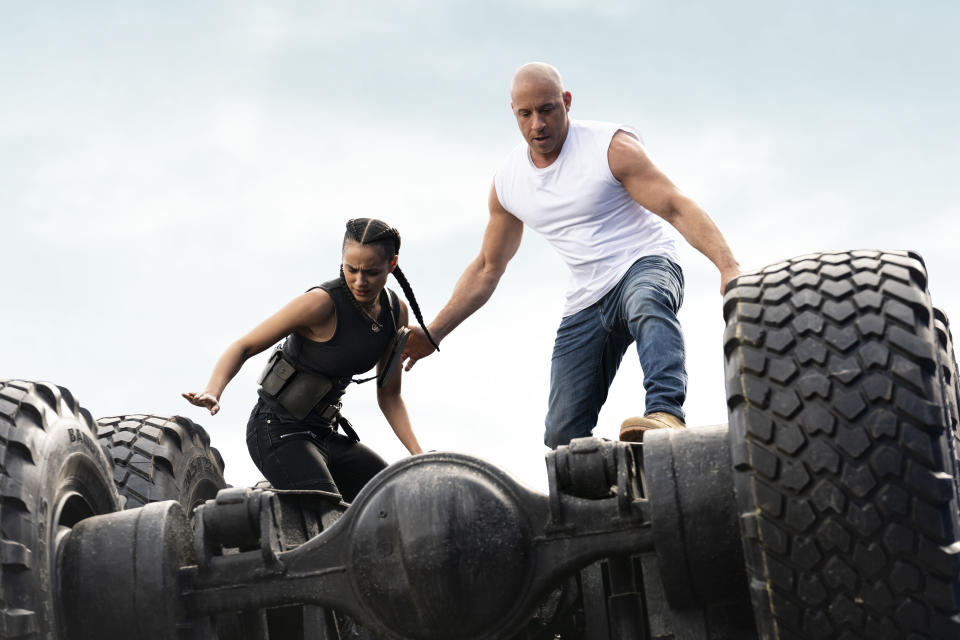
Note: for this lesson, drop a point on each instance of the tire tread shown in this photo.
(28, 411)
(843, 390)
(149, 453)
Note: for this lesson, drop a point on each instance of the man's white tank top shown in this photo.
(583, 211)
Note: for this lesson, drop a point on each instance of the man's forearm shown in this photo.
(696, 226)
(471, 292)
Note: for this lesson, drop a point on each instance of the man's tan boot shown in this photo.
(632, 428)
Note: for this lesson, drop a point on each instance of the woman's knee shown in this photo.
(297, 464)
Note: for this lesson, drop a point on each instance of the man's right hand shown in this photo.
(417, 347)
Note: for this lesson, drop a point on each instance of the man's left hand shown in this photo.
(726, 276)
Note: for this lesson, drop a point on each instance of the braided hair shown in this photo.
(370, 231)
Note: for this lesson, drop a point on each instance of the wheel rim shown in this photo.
(84, 493)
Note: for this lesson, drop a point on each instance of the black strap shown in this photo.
(394, 310)
(347, 428)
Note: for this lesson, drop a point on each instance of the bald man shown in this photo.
(591, 190)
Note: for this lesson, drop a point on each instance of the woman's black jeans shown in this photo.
(294, 455)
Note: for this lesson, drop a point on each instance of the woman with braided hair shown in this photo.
(334, 331)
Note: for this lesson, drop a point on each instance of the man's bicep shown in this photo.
(643, 180)
(501, 239)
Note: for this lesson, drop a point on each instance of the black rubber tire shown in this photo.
(52, 475)
(161, 458)
(952, 394)
(842, 390)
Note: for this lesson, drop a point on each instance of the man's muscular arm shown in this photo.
(654, 191)
(501, 239)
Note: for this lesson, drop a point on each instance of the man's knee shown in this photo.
(648, 300)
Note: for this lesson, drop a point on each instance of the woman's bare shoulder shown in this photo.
(316, 304)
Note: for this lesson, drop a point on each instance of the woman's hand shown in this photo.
(206, 400)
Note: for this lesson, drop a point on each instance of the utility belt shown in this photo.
(298, 391)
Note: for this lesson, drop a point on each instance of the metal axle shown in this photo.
(434, 543)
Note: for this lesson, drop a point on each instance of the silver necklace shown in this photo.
(376, 326)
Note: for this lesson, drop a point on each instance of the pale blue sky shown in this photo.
(170, 173)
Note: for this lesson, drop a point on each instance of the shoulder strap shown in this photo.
(394, 307)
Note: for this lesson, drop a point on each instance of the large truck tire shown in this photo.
(52, 476)
(842, 392)
(161, 458)
(948, 362)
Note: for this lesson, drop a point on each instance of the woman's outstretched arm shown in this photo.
(311, 313)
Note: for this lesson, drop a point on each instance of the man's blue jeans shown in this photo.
(590, 344)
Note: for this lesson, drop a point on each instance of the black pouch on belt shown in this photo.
(276, 374)
(297, 391)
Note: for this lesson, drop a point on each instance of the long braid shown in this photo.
(412, 299)
(373, 231)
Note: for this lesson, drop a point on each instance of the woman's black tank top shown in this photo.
(353, 349)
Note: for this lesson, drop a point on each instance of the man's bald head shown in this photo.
(538, 73)
(540, 105)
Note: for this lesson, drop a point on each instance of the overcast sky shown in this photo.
(172, 173)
